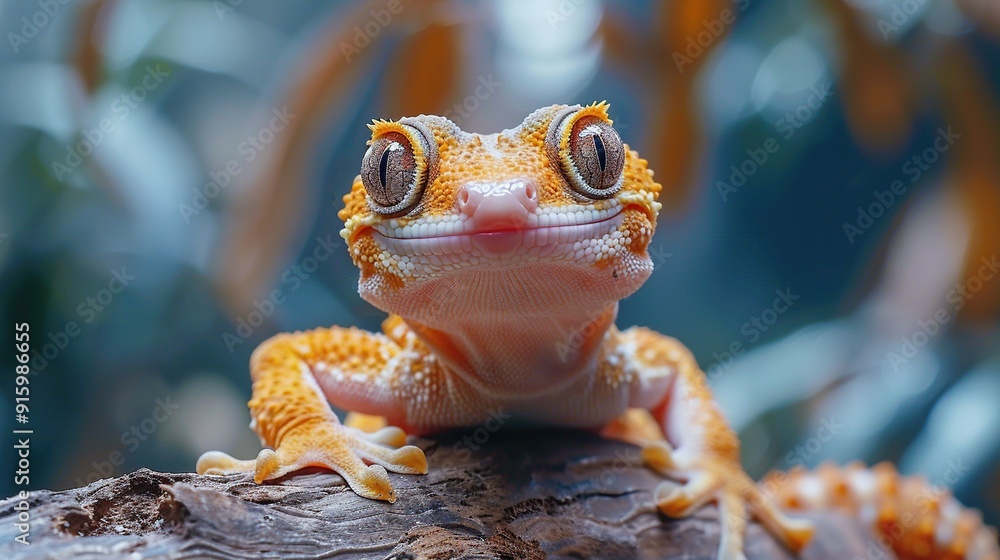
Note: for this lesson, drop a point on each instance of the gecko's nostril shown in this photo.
(468, 199)
(492, 203)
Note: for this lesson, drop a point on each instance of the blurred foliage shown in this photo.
(831, 190)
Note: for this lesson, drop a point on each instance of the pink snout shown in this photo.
(498, 206)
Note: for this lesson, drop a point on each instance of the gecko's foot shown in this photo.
(361, 458)
(635, 426)
(726, 484)
(365, 422)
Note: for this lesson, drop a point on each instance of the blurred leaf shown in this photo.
(422, 78)
(876, 87)
(986, 12)
(90, 25)
(970, 108)
(689, 30)
(266, 217)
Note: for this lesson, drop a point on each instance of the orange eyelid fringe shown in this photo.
(383, 126)
(599, 110)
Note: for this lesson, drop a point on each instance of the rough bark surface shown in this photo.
(519, 495)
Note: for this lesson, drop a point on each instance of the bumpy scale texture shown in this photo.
(501, 269)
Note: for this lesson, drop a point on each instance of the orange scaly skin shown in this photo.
(501, 260)
(908, 515)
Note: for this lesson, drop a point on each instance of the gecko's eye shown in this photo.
(591, 155)
(394, 170)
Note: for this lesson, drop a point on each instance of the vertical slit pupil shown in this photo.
(602, 156)
(383, 167)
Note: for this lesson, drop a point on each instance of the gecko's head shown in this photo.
(556, 212)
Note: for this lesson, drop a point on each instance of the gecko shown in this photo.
(501, 260)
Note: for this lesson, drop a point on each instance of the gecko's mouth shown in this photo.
(539, 235)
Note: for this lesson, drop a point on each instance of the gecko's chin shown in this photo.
(531, 288)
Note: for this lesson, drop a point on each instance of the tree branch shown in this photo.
(510, 494)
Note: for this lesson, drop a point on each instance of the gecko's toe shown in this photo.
(732, 521)
(266, 466)
(390, 436)
(681, 500)
(408, 459)
(635, 426)
(363, 459)
(412, 458)
(659, 456)
(219, 463)
(365, 422)
(372, 482)
(794, 533)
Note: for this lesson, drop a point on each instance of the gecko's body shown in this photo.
(501, 259)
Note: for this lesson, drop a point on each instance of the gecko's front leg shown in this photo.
(293, 375)
(701, 452)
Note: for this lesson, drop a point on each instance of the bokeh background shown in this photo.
(171, 172)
